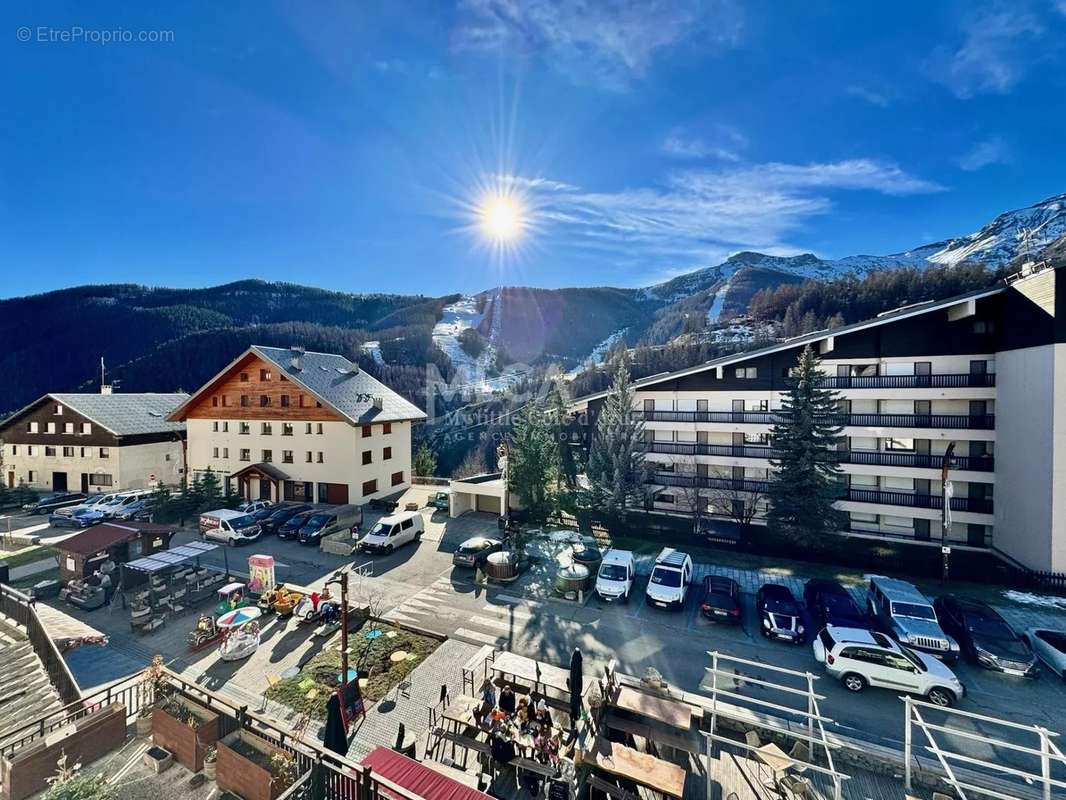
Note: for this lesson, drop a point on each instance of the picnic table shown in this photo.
(533, 672)
(461, 711)
(661, 709)
(641, 768)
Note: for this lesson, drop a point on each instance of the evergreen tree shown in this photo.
(425, 462)
(806, 480)
(616, 469)
(210, 492)
(533, 463)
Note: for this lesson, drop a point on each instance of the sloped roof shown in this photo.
(122, 414)
(108, 534)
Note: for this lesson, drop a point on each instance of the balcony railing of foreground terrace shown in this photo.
(964, 381)
(879, 458)
(969, 421)
(18, 607)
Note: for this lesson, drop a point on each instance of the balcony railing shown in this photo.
(908, 381)
(690, 481)
(869, 457)
(978, 505)
(950, 421)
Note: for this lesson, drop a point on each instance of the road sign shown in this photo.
(945, 550)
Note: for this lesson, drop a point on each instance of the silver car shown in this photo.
(1050, 647)
(906, 615)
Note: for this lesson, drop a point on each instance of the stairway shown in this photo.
(26, 693)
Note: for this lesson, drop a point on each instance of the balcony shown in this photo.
(688, 480)
(984, 422)
(966, 381)
(868, 457)
(976, 505)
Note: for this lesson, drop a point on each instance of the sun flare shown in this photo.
(502, 217)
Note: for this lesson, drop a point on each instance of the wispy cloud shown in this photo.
(609, 44)
(990, 151)
(701, 214)
(871, 96)
(723, 142)
(386, 65)
(994, 53)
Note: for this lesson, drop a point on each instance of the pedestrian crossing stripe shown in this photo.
(477, 636)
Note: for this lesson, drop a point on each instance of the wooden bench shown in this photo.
(689, 744)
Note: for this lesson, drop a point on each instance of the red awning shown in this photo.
(412, 776)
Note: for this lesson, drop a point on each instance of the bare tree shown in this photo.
(739, 503)
(692, 498)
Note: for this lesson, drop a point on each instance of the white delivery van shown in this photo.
(670, 579)
(229, 526)
(392, 531)
(615, 578)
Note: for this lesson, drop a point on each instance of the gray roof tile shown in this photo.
(127, 414)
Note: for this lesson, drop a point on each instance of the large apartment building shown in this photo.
(93, 442)
(986, 371)
(285, 424)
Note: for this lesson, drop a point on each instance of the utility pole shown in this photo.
(947, 492)
(341, 578)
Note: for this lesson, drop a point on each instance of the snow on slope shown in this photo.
(1004, 238)
(471, 373)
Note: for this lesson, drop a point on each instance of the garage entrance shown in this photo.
(59, 481)
(491, 505)
(333, 493)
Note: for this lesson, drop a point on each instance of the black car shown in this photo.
(290, 528)
(317, 524)
(780, 616)
(279, 516)
(721, 599)
(984, 637)
(50, 502)
(832, 604)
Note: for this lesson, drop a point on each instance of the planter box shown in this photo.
(240, 775)
(185, 742)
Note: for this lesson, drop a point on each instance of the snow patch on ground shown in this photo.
(714, 311)
(1030, 599)
(373, 349)
(472, 373)
(599, 352)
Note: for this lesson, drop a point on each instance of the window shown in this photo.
(369, 487)
(264, 374)
(301, 404)
(286, 429)
(165, 458)
(225, 452)
(266, 429)
(664, 498)
(892, 443)
(264, 400)
(86, 428)
(214, 402)
(747, 373)
(367, 431)
(318, 430)
(225, 427)
(397, 478)
(49, 452)
(310, 457)
(105, 452)
(225, 401)
(83, 452)
(29, 450)
(284, 401)
(59, 409)
(68, 427)
(318, 404)
(68, 452)
(761, 439)
(99, 480)
(246, 428)
(31, 427)
(268, 456)
(31, 476)
(386, 428)
(51, 427)
(244, 401)
(214, 426)
(246, 455)
(283, 379)
(320, 459)
(367, 457)
(386, 454)
(983, 326)
(244, 377)
(214, 452)
(286, 456)
(14, 450)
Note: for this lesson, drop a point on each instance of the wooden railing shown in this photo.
(19, 608)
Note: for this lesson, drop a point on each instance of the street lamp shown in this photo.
(945, 509)
(341, 578)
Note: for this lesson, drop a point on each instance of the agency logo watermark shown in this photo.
(76, 34)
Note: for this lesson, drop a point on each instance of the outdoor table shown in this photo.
(533, 672)
(775, 758)
(661, 709)
(461, 710)
(642, 768)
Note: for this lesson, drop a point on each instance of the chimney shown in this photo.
(105, 388)
(377, 403)
(353, 368)
(296, 359)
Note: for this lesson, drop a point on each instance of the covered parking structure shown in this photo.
(486, 493)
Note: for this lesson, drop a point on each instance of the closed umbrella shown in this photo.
(335, 738)
(576, 686)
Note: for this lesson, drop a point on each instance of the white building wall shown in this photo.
(128, 466)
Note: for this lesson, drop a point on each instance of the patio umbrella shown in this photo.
(576, 686)
(335, 738)
(238, 616)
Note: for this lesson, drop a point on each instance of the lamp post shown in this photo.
(341, 578)
(947, 492)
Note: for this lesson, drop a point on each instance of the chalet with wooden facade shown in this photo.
(94, 442)
(287, 424)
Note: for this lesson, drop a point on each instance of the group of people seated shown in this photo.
(512, 714)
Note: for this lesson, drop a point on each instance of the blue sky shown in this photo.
(346, 145)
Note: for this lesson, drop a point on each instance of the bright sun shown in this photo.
(502, 218)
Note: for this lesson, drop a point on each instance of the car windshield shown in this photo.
(666, 577)
(242, 521)
(840, 604)
(262, 513)
(914, 610)
(297, 520)
(989, 628)
(615, 572)
(786, 607)
(318, 520)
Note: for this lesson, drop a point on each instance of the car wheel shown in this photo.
(853, 682)
(418, 537)
(232, 541)
(388, 549)
(941, 697)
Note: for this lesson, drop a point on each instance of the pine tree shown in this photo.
(616, 469)
(425, 462)
(806, 480)
(533, 463)
(210, 491)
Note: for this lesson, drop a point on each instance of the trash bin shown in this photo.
(45, 589)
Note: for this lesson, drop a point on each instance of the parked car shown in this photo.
(614, 581)
(118, 507)
(440, 501)
(721, 599)
(670, 579)
(1050, 647)
(473, 552)
(908, 617)
(48, 503)
(858, 658)
(328, 521)
(81, 518)
(279, 515)
(392, 532)
(251, 506)
(90, 502)
(780, 616)
(290, 528)
(138, 509)
(383, 504)
(831, 604)
(984, 637)
(229, 526)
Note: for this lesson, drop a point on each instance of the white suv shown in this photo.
(861, 658)
(670, 579)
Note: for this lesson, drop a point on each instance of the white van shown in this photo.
(229, 526)
(615, 578)
(392, 531)
(112, 510)
(670, 579)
